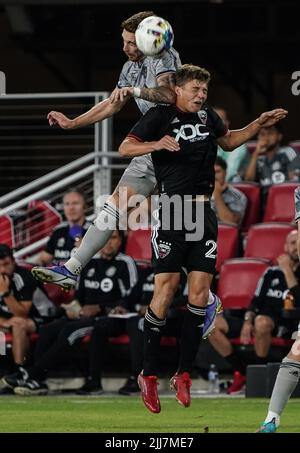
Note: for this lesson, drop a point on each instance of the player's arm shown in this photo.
(235, 138)
(132, 147)
(101, 111)
(162, 94)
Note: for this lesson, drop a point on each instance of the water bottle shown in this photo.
(213, 379)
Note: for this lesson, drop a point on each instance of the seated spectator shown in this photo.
(228, 202)
(105, 285)
(235, 158)
(263, 318)
(17, 312)
(269, 163)
(63, 239)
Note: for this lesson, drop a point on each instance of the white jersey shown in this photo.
(144, 74)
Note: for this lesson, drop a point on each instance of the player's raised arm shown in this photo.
(131, 147)
(235, 138)
(99, 112)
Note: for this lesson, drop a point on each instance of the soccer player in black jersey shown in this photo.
(183, 140)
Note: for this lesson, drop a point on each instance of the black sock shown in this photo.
(261, 360)
(191, 335)
(236, 363)
(152, 334)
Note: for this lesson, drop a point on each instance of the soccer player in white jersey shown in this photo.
(137, 75)
(289, 371)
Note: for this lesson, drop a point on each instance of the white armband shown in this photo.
(137, 92)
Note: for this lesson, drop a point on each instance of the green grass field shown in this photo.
(69, 414)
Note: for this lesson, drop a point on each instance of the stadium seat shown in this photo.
(238, 280)
(7, 231)
(138, 245)
(252, 192)
(266, 240)
(251, 146)
(295, 145)
(124, 340)
(228, 239)
(280, 205)
(42, 218)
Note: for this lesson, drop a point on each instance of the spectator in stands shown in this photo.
(269, 163)
(18, 315)
(62, 242)
(235, 158)
(263, 318)
(104, 287)
(228, 202)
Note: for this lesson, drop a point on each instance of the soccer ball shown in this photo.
(153, 36)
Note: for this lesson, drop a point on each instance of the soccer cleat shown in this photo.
(131, 386)
(238, 384)
(181, 384)
(267, 427)
(31, 387)
(212, 310)
(148, 386)
(59, 275)
(15, 379)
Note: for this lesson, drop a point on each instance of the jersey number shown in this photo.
(210, 253)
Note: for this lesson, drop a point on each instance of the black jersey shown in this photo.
(62, 243)
(189, 171)
(107, 283)
(22, 287)
(271, 291)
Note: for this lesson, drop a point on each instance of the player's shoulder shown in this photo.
(61, 228)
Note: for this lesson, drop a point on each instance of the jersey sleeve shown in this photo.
(50, 246)
(146, 129)
(297, 204)
(218, 126)
(167, 63)
(123, 80)
(260, 294)
(24, 291)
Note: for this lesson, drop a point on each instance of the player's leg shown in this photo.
(166, 285)
(264, 326)
(138, 178)
(21, 330)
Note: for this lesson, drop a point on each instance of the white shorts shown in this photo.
(139, 175)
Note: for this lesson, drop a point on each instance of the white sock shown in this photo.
(270, 417)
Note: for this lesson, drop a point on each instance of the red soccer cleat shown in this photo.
(148, 386)
(182, 383)
(238, 385)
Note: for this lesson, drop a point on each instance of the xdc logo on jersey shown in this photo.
(190, 132)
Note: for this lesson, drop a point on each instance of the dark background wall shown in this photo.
(250, 47)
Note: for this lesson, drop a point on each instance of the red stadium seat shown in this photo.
(138, 245)
(228, 239)
(252, 192)
(280, 206)
(266, 240)
(7, 231)
(238, 280)
(124, 340)
(42, 218)
(295, 145)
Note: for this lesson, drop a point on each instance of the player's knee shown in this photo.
(263, 324)
(200, 297)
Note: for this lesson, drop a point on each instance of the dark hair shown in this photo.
(5, 252)
(75, 190)
(221, 163)
(189, 72)
(132, 23)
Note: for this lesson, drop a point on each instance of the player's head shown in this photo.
(74, 206)
(220, 170)
(290, 245)
(271, 136)
(191, 87)
(113, 245)
(129, 27)
(7, 261)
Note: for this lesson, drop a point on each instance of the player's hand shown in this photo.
(167, 143)
(4, 283)
(285, 262)
(118, 310)
(246, 333)
(60, 119)
(119, 94)
(267, 119)
(261, 147)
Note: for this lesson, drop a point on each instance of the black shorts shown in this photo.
(171, 251)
